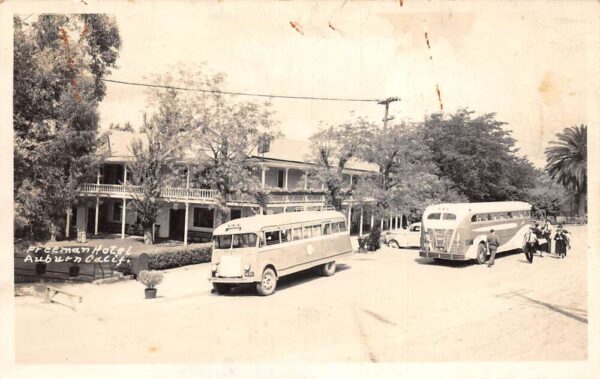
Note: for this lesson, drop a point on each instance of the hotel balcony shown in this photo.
(202, 196)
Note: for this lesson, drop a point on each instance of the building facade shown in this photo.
(187, 213)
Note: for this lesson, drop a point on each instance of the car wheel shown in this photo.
(328, 269)
(268, 282)
(222, 288)
(481, 253)
(394, 244)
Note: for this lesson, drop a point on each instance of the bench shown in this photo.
(50, 294)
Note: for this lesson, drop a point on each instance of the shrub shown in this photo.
(150, 278)
(161, 259)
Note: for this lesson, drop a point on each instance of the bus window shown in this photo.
(223, 242)
(448, 216)
(342, 225)
(326, 229)
(307, 232)
(297, 234)
(272, 237)
(434, 216)
(244, 240)
(286, 235)
(474, 218)
(509, 215)
(316, 230)
(335, 227)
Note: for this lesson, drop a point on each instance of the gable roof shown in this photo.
(280, 150)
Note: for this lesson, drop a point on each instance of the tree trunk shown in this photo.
(148, 235)
(53, 231)
(581, 204)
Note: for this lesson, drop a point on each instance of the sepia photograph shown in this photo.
(309, 189)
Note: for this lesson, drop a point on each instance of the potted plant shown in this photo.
(150, 279)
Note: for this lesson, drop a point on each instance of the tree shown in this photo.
(152, 167)
(408, 179)
(567, 163)
(59, 63)
(477, 156)
(222, 134)
(332, 147)
(547, 195)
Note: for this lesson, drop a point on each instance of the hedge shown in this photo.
(179, 256)
(161, 258)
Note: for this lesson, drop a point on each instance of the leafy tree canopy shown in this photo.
(59, 61)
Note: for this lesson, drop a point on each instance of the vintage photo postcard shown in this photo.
(308, 189)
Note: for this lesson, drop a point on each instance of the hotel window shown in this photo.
(236, 213)
(203, 218)
(117, 211)
(280, 178)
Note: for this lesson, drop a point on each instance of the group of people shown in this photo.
(531, 243)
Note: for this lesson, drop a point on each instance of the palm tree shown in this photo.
(566, 162)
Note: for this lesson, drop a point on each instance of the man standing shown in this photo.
(547, 235)
(493, 242)
(530, 244)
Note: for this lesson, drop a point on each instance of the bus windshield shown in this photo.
(239, 241)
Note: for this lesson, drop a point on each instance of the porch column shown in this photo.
(390, 224)
(98, 176)
(372, 222)
(68, 223)
(124, 174)
(381, 226)
(185, 228)
(349, 216)
(351, 177)
(123, 214)
(96, 216)
(285, 179)
(360, 226)
(305, 180)
(262, 180)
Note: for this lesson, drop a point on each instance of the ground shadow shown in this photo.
(574, 313)
(460, 264)
(285, 282)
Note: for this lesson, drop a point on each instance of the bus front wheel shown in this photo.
(328, 269)
(481, 253)
(394, 244)
(268, 282)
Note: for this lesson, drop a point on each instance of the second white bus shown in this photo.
(459, 231)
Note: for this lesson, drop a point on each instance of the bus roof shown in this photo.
(494, 206)
(254, 224)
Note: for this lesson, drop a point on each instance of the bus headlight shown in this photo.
(247, 267)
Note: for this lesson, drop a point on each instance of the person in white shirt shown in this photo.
(529, 244)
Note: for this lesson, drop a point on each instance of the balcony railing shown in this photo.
(130, 191)
(198, 194)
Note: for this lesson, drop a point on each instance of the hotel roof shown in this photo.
(282, 150)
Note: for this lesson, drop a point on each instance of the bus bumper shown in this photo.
(452, 257)
(231, 280)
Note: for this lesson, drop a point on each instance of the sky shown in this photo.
(530, 63)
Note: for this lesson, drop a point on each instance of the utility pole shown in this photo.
(387, 102)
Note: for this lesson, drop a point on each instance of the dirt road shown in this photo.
(386, 306)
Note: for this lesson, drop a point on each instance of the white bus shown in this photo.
(459, 231)
(261, 249)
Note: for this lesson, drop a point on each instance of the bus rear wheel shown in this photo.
(481, 253)
(328, 269)
(222, 288)
(267, 283)
(393, 244)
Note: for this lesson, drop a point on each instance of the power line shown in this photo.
(239, 93)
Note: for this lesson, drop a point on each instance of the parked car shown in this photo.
(410, 237)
